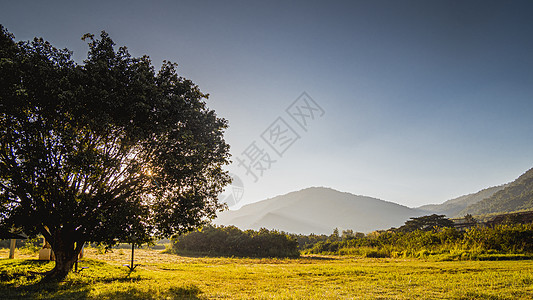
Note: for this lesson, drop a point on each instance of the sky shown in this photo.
(413, 102)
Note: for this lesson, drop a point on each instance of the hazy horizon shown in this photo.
(236, 207)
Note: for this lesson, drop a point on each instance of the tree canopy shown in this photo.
(426, 223)
(105, 151)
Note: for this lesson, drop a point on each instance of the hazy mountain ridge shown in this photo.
(455, 207)
(319, 210)
(516, 196)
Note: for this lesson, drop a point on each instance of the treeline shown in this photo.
(31, 244)
(451, 242)
(231, 241)
(306, 242)
(433, 235)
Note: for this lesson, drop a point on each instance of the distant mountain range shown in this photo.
(320, 210)
(516, 196)
(511, 197)
(455, 208)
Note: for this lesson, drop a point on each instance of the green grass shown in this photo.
(165, 276)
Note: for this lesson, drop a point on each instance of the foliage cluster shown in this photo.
(30, 245)
(500, 239)
(231, 241)
(426, 223)
(308, 241)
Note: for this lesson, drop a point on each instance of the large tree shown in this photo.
(426, 223)
(104, 151)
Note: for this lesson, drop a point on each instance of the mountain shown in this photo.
(319, 210)
(454, 207)
(516, 196)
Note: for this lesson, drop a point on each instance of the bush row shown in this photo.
(500, 239)
(231, 241)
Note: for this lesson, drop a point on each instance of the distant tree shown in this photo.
(347, 234)
(470, 219)
(105, 151)
(307, 241)
(426, 223)
(335, 235)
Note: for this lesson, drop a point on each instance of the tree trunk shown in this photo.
(66, 253)
(64, 264)
(12, 248)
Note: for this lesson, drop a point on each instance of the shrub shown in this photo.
(231, 241)
(447, 243)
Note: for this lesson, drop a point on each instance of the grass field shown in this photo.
(167, 276)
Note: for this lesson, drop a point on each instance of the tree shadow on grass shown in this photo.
(49, 290)
(21, 279)
(22, 270)
(189, 292)
(318, 257)
(83, 291)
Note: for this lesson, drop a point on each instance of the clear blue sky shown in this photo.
(423, 100)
